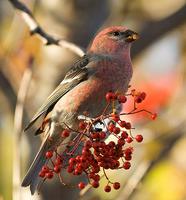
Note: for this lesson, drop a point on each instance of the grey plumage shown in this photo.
(32, 178)
(78, 73)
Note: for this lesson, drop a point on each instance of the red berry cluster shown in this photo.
(110, 96)
(138, 96)
(48, 172)
(90, 153)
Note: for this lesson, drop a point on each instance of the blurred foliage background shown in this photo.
(159, 60)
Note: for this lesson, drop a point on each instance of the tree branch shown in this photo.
(18, 120)
(35, 28)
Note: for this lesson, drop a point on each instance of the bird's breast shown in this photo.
(89, 95)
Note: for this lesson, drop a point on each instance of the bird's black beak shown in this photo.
(131, 36)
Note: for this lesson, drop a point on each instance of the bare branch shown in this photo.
(18, 120)
(134, 180)
(35, 28)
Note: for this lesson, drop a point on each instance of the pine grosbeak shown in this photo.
(105, 67)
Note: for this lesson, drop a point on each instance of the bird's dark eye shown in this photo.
(116, 33)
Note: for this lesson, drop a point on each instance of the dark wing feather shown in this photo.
(77, 67)
(77, 74)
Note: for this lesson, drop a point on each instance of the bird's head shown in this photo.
(114, 39)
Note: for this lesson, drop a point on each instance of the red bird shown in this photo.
(105, 67)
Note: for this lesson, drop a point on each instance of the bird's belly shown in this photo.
(88, 96)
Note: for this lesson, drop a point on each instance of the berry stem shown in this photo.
(65, 184)
(106, 176)
(130, 133)
(61, 180)
(52, 162)
(105, 109)
(138, 111)
(76, 144)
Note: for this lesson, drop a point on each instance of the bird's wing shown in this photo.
(77, 74)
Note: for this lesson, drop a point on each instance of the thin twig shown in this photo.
(18, 120)
(36, 29)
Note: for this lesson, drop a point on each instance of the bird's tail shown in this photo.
(32, 178)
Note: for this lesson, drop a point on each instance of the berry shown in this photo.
(114, 97)
(138, 99)
(126, 165)
(78, 158)
(128, 157)
(124, 135)
(116, 185)
(129, 139)
(83, 159)
(129, 150)
(95, 184)
(121, 142)
(115, 117)
(88, 144)
(65, 133)
(111, 127)
(102, 135)
(154, 116)
(72, 161)
(116, 130)
(70, 169)
(42, 174)
(49, 154)
(128, 125)
(77, 171)
(96, 177)
(122, 98)
(45, 169)
(111, 144)
(139, 138)
(49, 175)
(110, 96)
(95, 135)
(81, 185)
(57, 169)
(96, 170)
(122, 123)
(58, 161)
(82, 125)
(91, 175)
(107, 188)
(85, 152)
